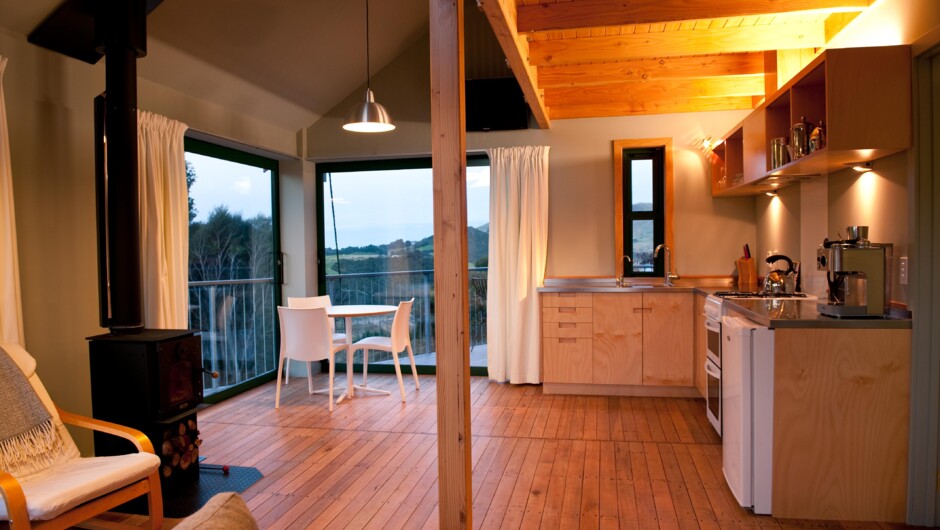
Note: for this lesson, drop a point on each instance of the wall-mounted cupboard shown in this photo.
(858, 98)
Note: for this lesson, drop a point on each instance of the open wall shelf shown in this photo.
(860, 96)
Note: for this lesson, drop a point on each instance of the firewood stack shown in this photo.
(180, 449)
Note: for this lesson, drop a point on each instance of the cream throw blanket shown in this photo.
(29, 439)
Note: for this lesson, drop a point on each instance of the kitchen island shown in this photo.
(841, 418)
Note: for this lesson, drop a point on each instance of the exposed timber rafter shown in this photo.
(598, 110)
(596, 13)
(639, 91)
(665, 44)
(651, 70)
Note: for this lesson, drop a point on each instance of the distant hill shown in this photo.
(402, 255)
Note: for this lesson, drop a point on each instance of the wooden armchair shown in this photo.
(75, 489)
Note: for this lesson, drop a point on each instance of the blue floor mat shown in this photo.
(181, 500)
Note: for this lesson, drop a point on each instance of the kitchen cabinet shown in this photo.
(567, 349)
(841, 422)
(667, 339)
(618, 339)
(861, 95)
(617, 343)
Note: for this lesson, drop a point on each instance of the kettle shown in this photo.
(777, 280)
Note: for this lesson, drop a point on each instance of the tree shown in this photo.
(260, 247)
(190, 179)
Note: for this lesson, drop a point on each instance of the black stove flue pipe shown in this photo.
(120, 29)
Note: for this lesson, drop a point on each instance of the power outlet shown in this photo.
(902, 270)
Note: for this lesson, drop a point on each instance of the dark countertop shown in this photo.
(779, 313)
(790, 313)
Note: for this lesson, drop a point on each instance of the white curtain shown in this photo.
(11, 310)
(164, 221)
(518, 243)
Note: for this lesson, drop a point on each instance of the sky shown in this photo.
(371, 207)
(378, 207)
(243, 189)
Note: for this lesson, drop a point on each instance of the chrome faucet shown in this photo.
(620, 277)
(668, 276)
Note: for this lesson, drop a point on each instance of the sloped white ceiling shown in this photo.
(312, 53)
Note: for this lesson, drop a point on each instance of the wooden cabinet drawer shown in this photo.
(567, 329)
(566, 314)
(566, 299)
(567, 360)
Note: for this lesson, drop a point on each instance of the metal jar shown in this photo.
(799, 138)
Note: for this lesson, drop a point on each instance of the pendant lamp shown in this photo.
(368, 116)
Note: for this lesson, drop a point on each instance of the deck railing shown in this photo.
(238, 325)
(389, 288)
(238, 322)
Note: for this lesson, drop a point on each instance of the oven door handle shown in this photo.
(714, 372)
(712, 325)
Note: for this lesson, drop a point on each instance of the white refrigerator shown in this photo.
(747, 379)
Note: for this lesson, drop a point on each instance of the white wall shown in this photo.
(877, 199)
(49, 104)
(778, 228)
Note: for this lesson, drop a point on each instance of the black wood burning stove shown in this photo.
(145, 378)
(151, 381)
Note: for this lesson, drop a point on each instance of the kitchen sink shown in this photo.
(607, 284)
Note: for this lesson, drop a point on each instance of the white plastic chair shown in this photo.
(313, 302)
(400, 340)
(73, 489)
(305, 336)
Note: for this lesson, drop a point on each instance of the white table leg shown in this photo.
(351, 386)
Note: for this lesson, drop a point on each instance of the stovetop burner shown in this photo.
(757, 294)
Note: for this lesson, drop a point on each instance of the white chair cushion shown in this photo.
(376, 343)
(62, 487)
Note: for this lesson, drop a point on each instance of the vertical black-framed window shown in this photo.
(234, 264)
(644, 225)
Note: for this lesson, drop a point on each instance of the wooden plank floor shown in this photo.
(539, 461)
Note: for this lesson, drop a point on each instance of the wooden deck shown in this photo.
(478, 358)
(539, 461)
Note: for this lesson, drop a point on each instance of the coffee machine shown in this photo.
(856, 270)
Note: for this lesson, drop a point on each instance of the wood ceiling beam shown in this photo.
(662, 106)
(670, 89)
(502, 17)
(836, 22)
(651, 70)
(676, 43)
(595, 13)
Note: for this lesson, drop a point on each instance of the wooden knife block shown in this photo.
(747, 274)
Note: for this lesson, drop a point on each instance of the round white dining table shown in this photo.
(348, 312)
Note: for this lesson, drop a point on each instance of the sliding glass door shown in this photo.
(376, 246)
(233, 273)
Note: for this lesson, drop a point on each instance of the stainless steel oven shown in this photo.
(713, 313)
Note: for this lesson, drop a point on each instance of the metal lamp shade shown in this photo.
(368, 116)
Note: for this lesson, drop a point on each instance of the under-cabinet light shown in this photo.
(861, 167)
